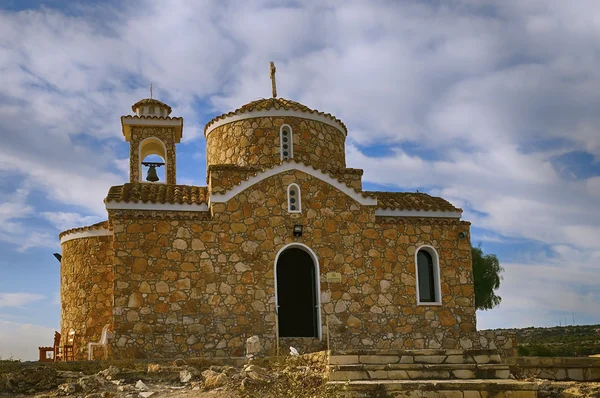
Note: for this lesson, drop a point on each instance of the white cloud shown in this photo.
(21, 340)
(18, 299)
(66, 220)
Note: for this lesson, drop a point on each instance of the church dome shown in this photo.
(267, 131)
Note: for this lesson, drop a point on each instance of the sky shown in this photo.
(493, 105)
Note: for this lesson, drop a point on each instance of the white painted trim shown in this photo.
(298, 197)
(156, 206)
(436, 274)
(287, 166)
(164, 147)
(275, 113)
(290, 144)
(86, 234)
(417, 213)
(317, 280)
(151, 121)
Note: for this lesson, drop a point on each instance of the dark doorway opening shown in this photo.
(296, 294)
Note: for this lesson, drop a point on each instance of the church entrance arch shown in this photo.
(297, 292)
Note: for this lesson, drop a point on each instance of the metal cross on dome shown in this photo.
(273, 84)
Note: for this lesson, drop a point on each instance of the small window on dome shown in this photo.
(162, 112)
(285, 140)
(151, 110)
(294, 203)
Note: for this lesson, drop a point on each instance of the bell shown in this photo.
(152, 176)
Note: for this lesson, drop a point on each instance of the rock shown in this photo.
(153, 368)
(179, 362)
(253, 347)
(256, 373)
(68, 388)
(294, 352)
(109, 373)
(188, 374)
(140, 385)
(91, 383)
(146, 394)
(213, 379)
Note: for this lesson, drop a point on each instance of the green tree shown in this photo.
(486, 277)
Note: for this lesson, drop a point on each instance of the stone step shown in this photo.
(432, 357)
(418, 372)
(481, 388)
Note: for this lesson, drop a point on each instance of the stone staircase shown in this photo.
(425, 373)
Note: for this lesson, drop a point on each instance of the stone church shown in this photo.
(282, 243)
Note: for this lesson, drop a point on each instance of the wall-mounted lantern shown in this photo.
(297, 230)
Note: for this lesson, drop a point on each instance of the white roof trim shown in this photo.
(86, 234)
(276, 113)
(417, 213)
(149, 121)
(156, 206)
(357, 196)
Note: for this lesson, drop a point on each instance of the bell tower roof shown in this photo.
(141, 105)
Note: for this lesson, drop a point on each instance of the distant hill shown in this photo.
(558, 341)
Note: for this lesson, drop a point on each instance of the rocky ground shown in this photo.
(302, 376)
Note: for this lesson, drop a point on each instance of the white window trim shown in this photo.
(317, 281)
(298, 197)
(291, 149)
(141, 167)
(436, 275)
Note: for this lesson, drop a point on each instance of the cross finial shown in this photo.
(150, 91)
(273, 84)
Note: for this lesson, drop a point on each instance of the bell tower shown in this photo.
(151, 131)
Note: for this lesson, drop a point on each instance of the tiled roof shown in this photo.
(264, 104)
(100, 225)
(412, 201)
(151, 101)
(157, 193)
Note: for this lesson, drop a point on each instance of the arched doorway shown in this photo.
(297, 293)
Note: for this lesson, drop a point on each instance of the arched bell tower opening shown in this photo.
(153, 158)
(152, 135)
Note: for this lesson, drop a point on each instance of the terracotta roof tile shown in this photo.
(412, 201)
(157, 193)
(99, 225)
(151, 101)
(264, 104)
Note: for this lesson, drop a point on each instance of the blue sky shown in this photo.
(494, 108)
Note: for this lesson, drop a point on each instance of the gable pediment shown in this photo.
(358, 196)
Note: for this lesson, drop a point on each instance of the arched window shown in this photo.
(285, 140)
(294, 203)
(428, 276)
(151, 110)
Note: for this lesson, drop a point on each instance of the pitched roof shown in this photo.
(412, 201)
(151, 101)
(157, 193)
(264, 104)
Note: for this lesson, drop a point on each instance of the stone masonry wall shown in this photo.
(189, 284)
(86, 290)
(255, 142)
(167, 136)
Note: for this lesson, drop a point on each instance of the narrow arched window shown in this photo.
(427, 277)
(151, 110)
(294, 202)
(285, 140)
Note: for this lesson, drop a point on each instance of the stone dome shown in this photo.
(251, 136)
